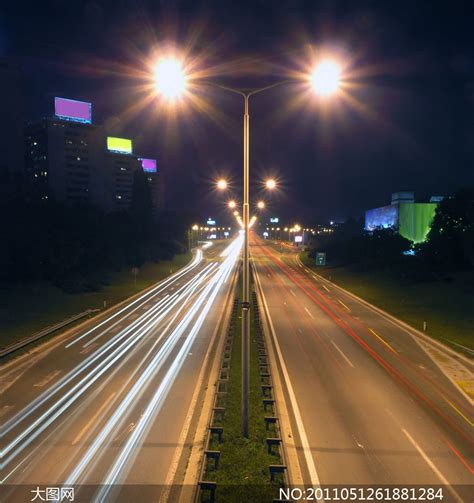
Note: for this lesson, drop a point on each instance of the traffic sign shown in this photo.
(321, 258)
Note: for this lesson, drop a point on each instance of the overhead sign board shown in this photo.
(73, 110)
(320, 258)
(274, 220)
(148, 165)
(298, 239)
(120, 145)
(211, 222)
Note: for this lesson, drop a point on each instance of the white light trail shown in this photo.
(207, 295)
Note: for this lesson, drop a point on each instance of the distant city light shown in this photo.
(260, 205)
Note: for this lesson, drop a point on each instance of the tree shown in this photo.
(450, 241)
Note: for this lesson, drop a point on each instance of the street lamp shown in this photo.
(221, 184)
(232, 204)
(171, 81)
(260, 205)
(326, 77)
(270, 184)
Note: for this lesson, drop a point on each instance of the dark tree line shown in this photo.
(449, 245)
(77, 247)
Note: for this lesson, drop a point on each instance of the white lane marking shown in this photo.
(326, 288)
(314, 479)
(342, 354)
(47, 379)
(88, 349)
(92, 419)
(342, 304)
(432, 466)
(292, 293)
(309, 312)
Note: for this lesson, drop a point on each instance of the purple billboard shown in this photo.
(148, 165)
(72, 110)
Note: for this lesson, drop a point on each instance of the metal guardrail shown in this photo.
(43, 333)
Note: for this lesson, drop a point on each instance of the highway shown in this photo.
(111, 405)
(366, 404)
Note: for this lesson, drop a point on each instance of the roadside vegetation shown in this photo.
(435, 285)
(26, 309)
(57, 260)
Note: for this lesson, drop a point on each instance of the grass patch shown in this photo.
(243, 473)
(446, 307)
(26, 309)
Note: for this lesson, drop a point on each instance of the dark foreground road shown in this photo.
(111, 403)
(366, 403)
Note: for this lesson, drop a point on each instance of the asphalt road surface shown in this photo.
(367, 404)
(109, 404)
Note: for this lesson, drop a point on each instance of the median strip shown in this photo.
(234, 468)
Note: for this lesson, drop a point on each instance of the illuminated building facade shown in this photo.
(411, 219)
(73, 161)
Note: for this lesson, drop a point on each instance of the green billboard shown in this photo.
(415, 219)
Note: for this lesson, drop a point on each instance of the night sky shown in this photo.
(405, 120)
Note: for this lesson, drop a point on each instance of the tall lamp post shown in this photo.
(171, 82)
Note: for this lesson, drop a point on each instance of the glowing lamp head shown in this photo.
(326, 77)
(232, 204)
(270, 184)
(236, 213)
(221, 184)
(195, 227)
(170, 79)
(260, 205)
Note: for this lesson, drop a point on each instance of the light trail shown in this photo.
(158, 289)
(209, 293)
(159, 312)
(171, 302)
(119, 349)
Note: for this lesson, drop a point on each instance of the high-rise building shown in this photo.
(155, 183)
(65, 155)
(65, 159)
(121, 166)
(72, 160)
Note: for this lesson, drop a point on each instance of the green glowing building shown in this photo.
(413, 220)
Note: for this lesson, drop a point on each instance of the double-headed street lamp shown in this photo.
(171, 83)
